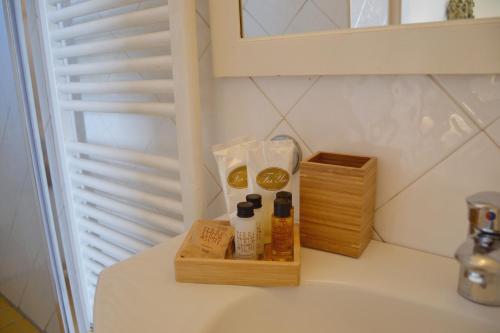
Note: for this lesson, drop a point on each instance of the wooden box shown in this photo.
(239, 272)
(337, 201)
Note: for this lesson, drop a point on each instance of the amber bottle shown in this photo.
(282, 231)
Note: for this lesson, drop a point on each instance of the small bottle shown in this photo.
(245, 232)
(256, 200)
(287, 195)
(282, 231)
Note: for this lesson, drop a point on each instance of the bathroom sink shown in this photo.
(338, 308)
(388, 289)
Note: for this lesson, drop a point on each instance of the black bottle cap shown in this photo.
(256, 199)
(245, 209)
(284, 195)
(282, 207)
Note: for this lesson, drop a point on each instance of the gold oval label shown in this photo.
(273, 179)
(238, 177)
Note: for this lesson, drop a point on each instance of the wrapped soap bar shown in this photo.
(232, 162)
(210, 239)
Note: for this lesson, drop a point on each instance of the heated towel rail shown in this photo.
(120, 201)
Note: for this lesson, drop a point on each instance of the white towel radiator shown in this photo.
(121, 201)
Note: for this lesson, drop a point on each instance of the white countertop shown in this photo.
(141, 295)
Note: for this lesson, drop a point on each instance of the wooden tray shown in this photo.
(239, 272)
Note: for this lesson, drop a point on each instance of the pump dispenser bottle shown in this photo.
(282, 231)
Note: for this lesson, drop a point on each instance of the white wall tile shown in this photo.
(238, 108)
(21, 233)
(212, 188)
(252, 28)
(21, 246)
(337, 11)
(27, 228)
(369, 13)
(202, 9)
(162, 140)
(38, 301)
(309, 19)
(13, 170)
(203, 34)
(479, 95)
(285, 92)
(217, 207)
(431, 214)
(405, 121)
(15, 270)
(274, 15)
(284, 128)
(53, 325)
(494, 131)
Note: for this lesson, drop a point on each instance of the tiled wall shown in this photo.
(24, 272)
(437, 137)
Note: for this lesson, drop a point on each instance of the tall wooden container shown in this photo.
(337, 201)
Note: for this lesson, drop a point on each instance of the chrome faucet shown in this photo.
(479, 256)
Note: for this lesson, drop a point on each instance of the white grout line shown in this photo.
(447, 155)
(428, 170)
(453, 100)
(214, 178)
(315, 80)
(298, 136)
(205, 50)
(268, 99)
(294, 17)
(326, 15)
(378, 234)
(256, 21)
(3, 131)
(488, 134)
(214, 198)
(202, 18)
(463, 109)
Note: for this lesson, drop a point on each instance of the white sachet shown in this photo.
(232, 162)
(269, 171)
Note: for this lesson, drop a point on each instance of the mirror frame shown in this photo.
(425, 48)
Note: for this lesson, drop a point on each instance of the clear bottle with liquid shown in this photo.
(245, 232)
(256, 200)
(282, 231)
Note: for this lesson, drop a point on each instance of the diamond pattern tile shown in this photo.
(494, 132)
(431, 215)
(53, 325)
(251, 27)
(407, 122)
(309, 19)
(39, 290)
(479, 95)
(274, 15)
(238, 108)
(212, 188)
(368, 13)
(203, 34)
(284, 92)
(284, 128)
(217, 207)
(337, 11)
(162, 138)
(13, 171)
(202, 9)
